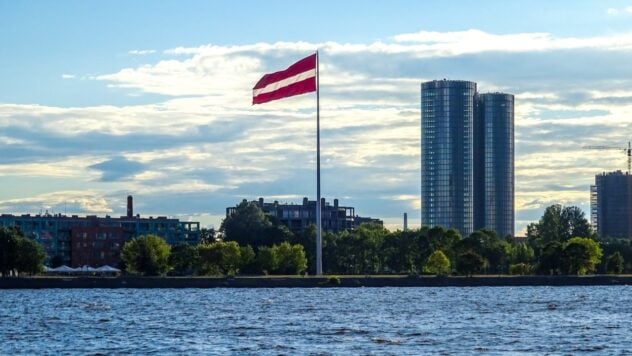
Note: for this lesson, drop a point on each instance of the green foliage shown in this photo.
(521, 253)
(267, 260)
(30, 257)
(249, 225)
(333, 280)
(9, 242)
(290, 258)
(611, 246)
(470, 262)
(219, 258)
(438, 263)
(490, 247)
(615, 263)
(581, 255)
(19, 253)
(247, 258)
(558, 224)
(520, 269)
(550, 258)
(147, 255)
(207, 235)
(184, 259)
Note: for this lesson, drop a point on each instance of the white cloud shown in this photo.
(68, 76)
(89, 201)
(622, 11)
(141, 52)
(612, 11)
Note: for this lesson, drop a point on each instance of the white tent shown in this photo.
(86, 269)
(108, 269)
(64, 269)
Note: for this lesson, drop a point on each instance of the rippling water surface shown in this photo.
(301, 321)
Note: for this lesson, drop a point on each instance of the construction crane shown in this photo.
(626, 150)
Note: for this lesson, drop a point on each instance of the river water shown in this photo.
(398, 321)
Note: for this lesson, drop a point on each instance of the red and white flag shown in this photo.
(299, 78)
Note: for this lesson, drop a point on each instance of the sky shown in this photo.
(99, 100)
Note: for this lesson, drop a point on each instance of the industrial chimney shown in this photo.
(130, 206)
(405, 221)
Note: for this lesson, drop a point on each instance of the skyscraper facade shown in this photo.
(494, 163)
(611, 204)
(467, 157)
(447, 119)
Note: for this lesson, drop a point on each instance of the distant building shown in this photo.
(467, 157)
(611, 204)
(494, 163)
(297, 217)
(79, 240)
(447, 124)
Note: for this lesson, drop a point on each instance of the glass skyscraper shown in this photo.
(494, 163)
(467, 158)
(447, 122)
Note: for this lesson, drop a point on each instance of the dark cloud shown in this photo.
(117, 169)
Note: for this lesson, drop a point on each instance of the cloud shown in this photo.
(623, 11)
(86, 201)
(206, 147)
(68, 76)
(141, 52)
(117, 168)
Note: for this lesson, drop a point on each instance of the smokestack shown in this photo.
(405, 221)
(130, 206)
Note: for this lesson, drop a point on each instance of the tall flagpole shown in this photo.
(319, 220)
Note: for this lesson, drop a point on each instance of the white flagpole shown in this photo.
(319, 222)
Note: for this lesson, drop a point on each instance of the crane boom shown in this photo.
(626, 150)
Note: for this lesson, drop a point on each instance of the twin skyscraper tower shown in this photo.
(467, 158)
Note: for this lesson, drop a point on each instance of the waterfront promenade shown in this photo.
(309, 282)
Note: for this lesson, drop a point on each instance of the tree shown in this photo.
(558, 224)
(246, 225)
(520, 269)
(438, 263)
(208, 235)
(521, 253)
(210, 259)
(581, 255)
(18, 253)
(574, 223)
(9, 244)
(290, 258)
(267, 260)
(30, 257)
(615, 263)
(184, 259)
(223, 257)
(488, 245)
(247, 263)
(550, 258)
(147, 255)
(470, 262)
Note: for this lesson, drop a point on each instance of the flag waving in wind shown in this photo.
(299, 78)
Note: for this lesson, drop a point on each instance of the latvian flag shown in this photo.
(299, 78)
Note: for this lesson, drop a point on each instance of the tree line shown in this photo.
(561, 242)
(252, 243)
(150, 255)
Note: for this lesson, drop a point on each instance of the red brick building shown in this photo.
(96, 246)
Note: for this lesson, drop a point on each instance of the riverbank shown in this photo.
(310, 282)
